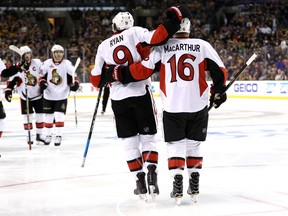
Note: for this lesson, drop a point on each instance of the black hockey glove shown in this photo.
(110, 74)
(24, 65)
(74, 86)
(178, 13)
(8, 94)
(217, 97)
(43, 84)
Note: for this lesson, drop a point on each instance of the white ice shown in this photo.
(244, 171)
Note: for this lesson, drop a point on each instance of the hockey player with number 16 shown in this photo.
(184, 92)
(133, 104)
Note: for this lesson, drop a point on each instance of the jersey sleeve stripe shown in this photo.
(139, 71)
(95, 80)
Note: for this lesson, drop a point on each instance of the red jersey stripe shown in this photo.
(95, 80)
(159, 35)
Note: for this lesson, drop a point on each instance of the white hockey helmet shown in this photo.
(25, 49)
(57, 47)
(185, 26)
(123, 20)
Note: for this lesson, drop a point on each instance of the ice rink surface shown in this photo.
(244, 170)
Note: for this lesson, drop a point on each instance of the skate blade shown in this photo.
(151, 191)
(193, 198)
(143, 197)
(178, 200)
(39, 143)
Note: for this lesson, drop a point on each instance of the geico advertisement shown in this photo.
(261, 88)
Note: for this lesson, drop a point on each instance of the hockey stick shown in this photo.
(73, 80)
(250, 60)
(28, 114)
(91, 127)
(17, 50)
(75, 68)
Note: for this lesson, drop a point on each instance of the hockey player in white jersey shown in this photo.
(25, 74)
(56, 83)
(182, 62)
(2, 111)
(133, 104)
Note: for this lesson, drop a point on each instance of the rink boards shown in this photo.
(240, 89)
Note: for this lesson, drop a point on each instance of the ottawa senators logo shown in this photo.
(56, 78)
(31, 79)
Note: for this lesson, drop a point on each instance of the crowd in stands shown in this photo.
(235, 32)
(20, 28)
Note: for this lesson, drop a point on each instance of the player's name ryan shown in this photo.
(179, 47)
(116, 40)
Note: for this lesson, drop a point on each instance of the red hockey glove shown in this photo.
(178, 12)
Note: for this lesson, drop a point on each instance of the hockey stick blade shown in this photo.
(248, 62)
(77, 64)
(251, 59)
(15, 49)
(75, 68)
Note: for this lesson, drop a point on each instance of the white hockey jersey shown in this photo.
(31, 78)
(2, 67)
(182, 73)
(120, 49)
(56, 77)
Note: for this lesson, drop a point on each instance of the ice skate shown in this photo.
(177, 191)
(141, 188)
(47, 140)
(152, 181)
(102, 112)
(40, 139)
(58, 140)
(193, 189)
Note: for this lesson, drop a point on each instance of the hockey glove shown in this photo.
(217, 97)
(110, 74)
(43, 84)
(24, 65)
(8, 94)
(178, 13)
(74, 87)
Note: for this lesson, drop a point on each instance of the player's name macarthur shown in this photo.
(181, 46)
